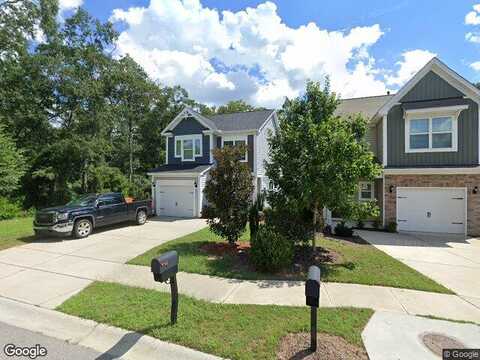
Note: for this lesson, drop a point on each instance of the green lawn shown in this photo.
(15, 232)
(230, 331)
(360, 264)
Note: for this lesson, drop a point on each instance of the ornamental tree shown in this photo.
(318, 158)
(228, 193)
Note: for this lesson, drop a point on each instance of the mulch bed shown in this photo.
(303, 257)
(329, 347)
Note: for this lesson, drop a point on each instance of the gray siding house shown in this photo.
(426, 136)
(177, 186)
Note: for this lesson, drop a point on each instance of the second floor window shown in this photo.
(430, 134)
(236, 142)
(188, 147)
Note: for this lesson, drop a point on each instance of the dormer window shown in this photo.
(432, 130)
(188, 147)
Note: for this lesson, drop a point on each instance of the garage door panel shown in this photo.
(174, 200)
(431, 210)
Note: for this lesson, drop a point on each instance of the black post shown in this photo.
(313, 328)
(174, 294)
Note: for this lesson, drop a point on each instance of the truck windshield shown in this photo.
(85, 200)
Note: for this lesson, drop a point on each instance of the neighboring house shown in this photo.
(177, 186)
(426, 136)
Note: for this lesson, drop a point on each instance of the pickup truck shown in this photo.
(79, 217)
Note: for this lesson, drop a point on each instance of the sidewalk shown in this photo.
(110, 341)
(262, 292)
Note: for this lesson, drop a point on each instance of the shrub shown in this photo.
(341, 229)
(254, 214)
(9, 210)
(294, 225)
(391, 227)
(228, 193)
(376, 223)
(271, 251)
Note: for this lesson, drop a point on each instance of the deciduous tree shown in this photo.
(318, 158)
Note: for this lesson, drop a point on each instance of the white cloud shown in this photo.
(249, 54)
(473, 37)
(473, 17)
(475, 65)
(65, 6)
(412, 61)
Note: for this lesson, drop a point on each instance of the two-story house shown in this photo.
(426, 136)
(177, 186)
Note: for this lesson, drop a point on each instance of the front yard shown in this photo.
(229, 331)
(15, 232)
(346, 262)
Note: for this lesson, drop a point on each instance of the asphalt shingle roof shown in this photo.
(367, 106)
(181, 168)
(251, 120)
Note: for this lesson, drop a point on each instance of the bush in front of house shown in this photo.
(288, 218)
(341, 229)
(228, 193)
(391, 227)
(270, 250)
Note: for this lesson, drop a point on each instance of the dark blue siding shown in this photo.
(189, 126)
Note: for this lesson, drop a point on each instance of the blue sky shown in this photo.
(216, 60)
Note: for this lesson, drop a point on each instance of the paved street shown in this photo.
(56, 349)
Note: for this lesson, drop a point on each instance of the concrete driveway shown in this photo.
(49, 271)
(451, 260)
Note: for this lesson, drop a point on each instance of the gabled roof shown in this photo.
(444, 72)
(186, 112)
(241, 121)
(366, 106)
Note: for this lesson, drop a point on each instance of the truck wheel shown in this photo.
(141, 217)
(82, 228)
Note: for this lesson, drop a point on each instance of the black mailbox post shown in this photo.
(165, 268)
(312, 295)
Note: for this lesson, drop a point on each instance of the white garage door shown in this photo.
(431, 210)
(175, 200)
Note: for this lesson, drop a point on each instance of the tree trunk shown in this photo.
(315, 221)
(318, 224)
(130, 150)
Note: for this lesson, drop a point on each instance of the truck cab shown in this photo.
(81, 216)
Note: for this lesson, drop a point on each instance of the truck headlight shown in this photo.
(62, 216)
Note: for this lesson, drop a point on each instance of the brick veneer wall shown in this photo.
(469, 181)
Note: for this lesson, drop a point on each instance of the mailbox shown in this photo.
(165, 266)
(312, 287)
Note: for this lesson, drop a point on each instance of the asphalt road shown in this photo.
(56, 349)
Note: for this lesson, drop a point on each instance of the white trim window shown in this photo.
(236, 141)
(366, 191)
(427, 130)
(188, 147)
